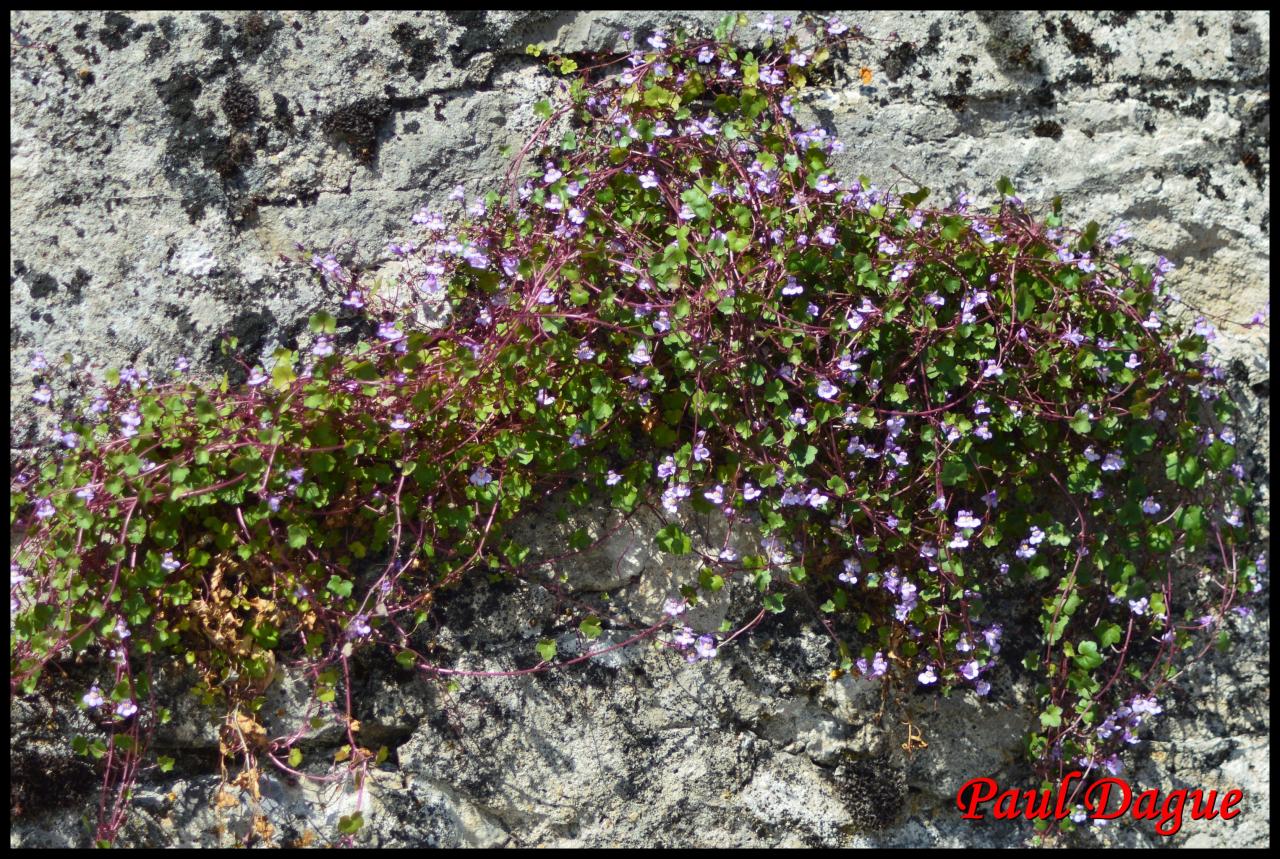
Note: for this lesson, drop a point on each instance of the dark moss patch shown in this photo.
(357, 125)
(255, 33)
(1047, 128)
(874, 792)
(239, 103)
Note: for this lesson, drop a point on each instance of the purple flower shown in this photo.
(93, 698)
(927, 676)
(1150, 506)
(851, 569)
(706, 646)
(354, 299)
(43, 394)
(716, 495)
(648, 179)
(826, 390)
(256, 378)
(966, 519)
(170, 563)
(684, 638)
(657, 41)
(399, 423)
(388, 331)
(969, 670)
(481, 476)
(295, 474)
(675, 606)
(1113, 462)
(667, 467)
(125, 709)
(576, 439)
(749, 492)
(792, 287)
(640, 354)
(359, 626)
(44, 508)
(706, 55)
(1139, 606)
(982, 687)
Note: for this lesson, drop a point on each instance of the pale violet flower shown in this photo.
(93, 698)
(170, 563)
(481, 476)
(749, 492)
(640, 354)
(125, 709)
(966, 519)
(612, 478)
(851, 569)
(716, 495)
(667, 467)
(257, 377)
(706, 646)
(1150, 506)
(674, 607)
(927, 676)
(399, 423)
(827, 391)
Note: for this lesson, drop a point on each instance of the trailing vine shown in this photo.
(673, 303)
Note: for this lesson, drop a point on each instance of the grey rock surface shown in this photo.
(161, 164)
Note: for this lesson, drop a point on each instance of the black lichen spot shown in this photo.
(81, 30)
(362, 20)
(1047, 128)
(213, 32)
(156, 47)
(959, 99)
(421, 50)
(357, 125)
(75, 287)
(1081, 43)
(115, 31)
(900, 58)
(236, 152)
(191, 139)
(412, 126)
(475, 38)
(41, 285)
(284, 116)
(1203, 181)
(239, 103)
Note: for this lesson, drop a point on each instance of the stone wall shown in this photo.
(161, 164)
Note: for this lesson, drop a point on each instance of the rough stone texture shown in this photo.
(161, 163)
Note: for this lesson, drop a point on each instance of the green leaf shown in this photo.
(546, 649)
(673, 540)
(323, 322)
(1052, 716)
(298, 535)
(349, 824)
(590, 627)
